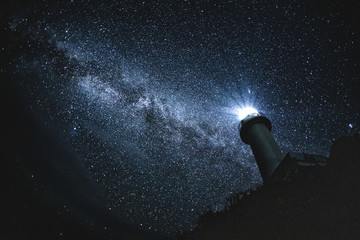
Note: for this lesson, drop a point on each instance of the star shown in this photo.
(149, 96)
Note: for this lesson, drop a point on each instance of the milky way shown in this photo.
(145, 93)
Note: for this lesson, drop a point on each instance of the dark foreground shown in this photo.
(326, 208)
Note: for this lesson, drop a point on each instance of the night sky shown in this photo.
(142, 96)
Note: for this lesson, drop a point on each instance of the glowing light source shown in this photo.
(244, 112)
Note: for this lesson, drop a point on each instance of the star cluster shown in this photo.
(145, 93)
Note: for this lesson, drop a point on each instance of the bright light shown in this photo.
(244, 112)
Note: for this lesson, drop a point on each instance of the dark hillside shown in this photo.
(326, 208)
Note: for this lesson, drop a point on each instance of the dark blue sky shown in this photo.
(144, 93)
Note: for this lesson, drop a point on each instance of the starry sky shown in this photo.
(144, 94)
